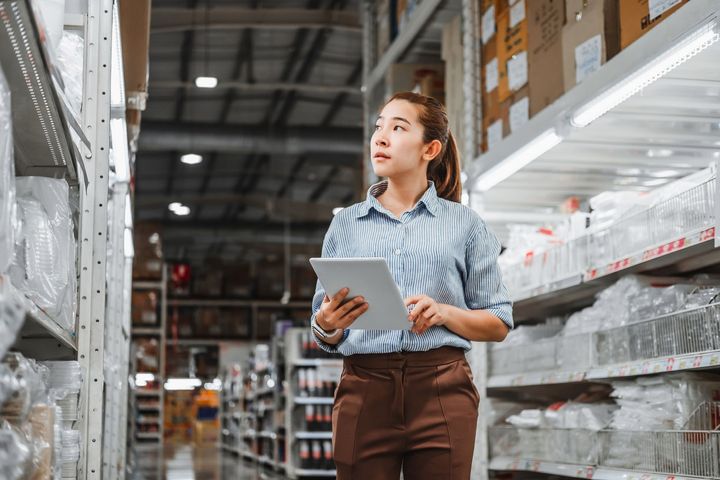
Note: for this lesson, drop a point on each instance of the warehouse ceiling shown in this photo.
(280, 135)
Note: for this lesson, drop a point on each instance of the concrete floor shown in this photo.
(187, 462)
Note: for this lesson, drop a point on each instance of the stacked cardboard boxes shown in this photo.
(535, 51)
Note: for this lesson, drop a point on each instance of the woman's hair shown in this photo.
(444, 170)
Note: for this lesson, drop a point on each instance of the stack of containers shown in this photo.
(64, 382)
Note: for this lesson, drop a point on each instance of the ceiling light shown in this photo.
(674, 56)
(182, 383)
(660, 152)
(206, 82)
(337, 210)
(179, 209)
(174, 206)
(215, 385)
(518, 159)
(191, 159)
(665, 173)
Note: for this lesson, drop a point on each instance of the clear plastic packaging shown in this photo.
(53, 16)
(12, 314)
(65, 377)
(7, 178)
(44, 263)
(70, 54)
(15, 452)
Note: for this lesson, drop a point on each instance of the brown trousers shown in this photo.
(415, 411)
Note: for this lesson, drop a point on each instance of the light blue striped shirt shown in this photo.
(440, 248)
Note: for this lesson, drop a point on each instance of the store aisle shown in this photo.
(188, 462)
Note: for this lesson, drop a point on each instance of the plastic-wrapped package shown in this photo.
(53, 15)
(584, 416)
(42, 428)
(7, 178)
(12, 314)
(44, 263)
(65, 377)
(70, 54)
(15, 452)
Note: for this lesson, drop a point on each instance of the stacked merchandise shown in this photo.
(317, 455)
(631, 320)
(535, 51)
(664, 424)
(623, 227)
(38, 406)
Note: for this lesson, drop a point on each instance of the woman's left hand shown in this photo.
(427, 313)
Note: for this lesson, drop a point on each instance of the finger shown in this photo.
(350, 317)
(413, 299)
(427, 324)
(338, 298)
(430, 312)
(342, 311)
(419, 323)
(326, 299)
(419, 308)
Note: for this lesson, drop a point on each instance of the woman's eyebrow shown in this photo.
(397, 118)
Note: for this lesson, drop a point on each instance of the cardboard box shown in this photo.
(427, 78)
(135, 34)
(515, 111)
(145, 309)
(636, 18)
(270, 281)
(452, 55)
(512, 49)
(148, 252)
(235, 323)
(207, 323)
(303, 282)
(239, 282)
(208, 283)
(489, 11)
(590, 38)
(546, 19)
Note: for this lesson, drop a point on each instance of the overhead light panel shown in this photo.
(633, 83)
(206, 82)
(179, 209)
(518, 159)
(191, 159)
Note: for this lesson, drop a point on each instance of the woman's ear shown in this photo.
(432, 150)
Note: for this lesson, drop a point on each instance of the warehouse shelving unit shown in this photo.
(150, 401)
(297, 399)
(666, 124)
(51, 142)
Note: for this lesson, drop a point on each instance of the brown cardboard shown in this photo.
(635, 19)
(506, 106)
(586, 19)
(452, 55)
(429, 77)
(546, 19)
(148, 252)
(512, 44)
(144, 311)
(135, 34)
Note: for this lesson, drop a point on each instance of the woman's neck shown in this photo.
(402, 195)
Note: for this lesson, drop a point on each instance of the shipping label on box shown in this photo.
(491, 75)
(494, 134)
(517, 14)
(487, 26)
(658, 7)
(637, 17)
(519, 114)
(517, 71)
(588, 58)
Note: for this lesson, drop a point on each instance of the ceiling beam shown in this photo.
(263, 86)
(170, 20)
(323, 185)
(169, 136)
(186, 52)
(341, 98)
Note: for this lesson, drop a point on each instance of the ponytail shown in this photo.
(444, 170)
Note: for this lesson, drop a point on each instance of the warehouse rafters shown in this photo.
(283, 123)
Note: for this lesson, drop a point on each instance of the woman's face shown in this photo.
(396, 146)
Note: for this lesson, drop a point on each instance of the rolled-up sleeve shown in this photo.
(484, 288)
(329, 250)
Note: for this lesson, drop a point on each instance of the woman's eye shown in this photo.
(398, 127)
(377, 127)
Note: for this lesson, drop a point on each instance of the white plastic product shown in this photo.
(53, 19)
(70, 62)
(44, 266)
(12, 314)
(7, 178)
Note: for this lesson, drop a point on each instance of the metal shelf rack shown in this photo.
(50, 142)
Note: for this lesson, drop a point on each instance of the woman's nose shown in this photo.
(380, 139)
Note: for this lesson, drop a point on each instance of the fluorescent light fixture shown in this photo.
(142, 379)
(656, 183)
(674, 56)
(182, 383)
(128, 246)
(179, 209)
(206, 82)
(191, 159)
(215, 385)
(337, 210)
(660, 152)
(518, 159)
(665, 173)
(121, 156)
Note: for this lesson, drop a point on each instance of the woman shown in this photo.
(406, 398)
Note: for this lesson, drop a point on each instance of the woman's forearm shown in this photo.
(475, 325)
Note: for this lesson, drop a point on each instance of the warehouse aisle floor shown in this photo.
(188, 462)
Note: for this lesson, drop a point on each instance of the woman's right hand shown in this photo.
(334, 315)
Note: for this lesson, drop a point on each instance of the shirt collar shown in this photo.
(429, 198)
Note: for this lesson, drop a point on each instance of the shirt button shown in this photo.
(397, 252)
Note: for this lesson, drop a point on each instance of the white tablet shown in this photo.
(371, 279)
